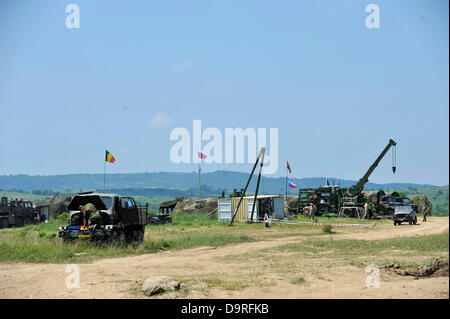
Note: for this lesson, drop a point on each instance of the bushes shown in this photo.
(327, 229)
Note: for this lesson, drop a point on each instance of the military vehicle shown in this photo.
(404, 213)
(123, 220)
(326, 198)
(16, 213)
(347, 202)
(385, 203)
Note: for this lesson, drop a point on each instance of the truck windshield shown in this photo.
(403, 200)
(304, 195)
(107, 201)
(403, 208)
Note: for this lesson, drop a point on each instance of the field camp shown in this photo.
(221, 159)
(299, 241)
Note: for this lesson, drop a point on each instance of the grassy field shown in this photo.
(39, 243)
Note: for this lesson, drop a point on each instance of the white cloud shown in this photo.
(183, 66)
(160, 120)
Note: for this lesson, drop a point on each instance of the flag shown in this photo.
(109, 157)
(288, 167)
(292, 185)
(201, 154)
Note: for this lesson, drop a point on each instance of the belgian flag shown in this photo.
(109, 157)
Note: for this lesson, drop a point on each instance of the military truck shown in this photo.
(123, 220)
(326, 198)
(16, 213)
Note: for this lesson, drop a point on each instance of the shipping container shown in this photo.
(271, 204)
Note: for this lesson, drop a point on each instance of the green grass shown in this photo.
(39, 243)
(420, 244)
(26, 245)
(298, 281)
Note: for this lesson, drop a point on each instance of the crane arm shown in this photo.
(358, 188)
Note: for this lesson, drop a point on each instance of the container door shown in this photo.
(224, 210)
(249, 210)
(278, 207)
(44, 213)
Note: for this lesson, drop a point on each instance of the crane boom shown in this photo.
(358, 188)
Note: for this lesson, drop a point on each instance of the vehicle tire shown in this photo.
(19, 222)
(140, 236)
(27, 221)
(410, 221)
(415, 220)
(3, 223)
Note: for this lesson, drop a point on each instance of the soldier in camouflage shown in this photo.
(426, 210)
(307, 212)
(90, 214)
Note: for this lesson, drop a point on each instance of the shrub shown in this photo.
(327, 229)
(63, 216)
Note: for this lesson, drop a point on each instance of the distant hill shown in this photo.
(157, 187)
(216, 181)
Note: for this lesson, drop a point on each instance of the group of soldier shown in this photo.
(309, 210)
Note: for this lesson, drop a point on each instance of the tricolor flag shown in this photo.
(288, 167)
(292, 185)
(201, 154)
(109, 157)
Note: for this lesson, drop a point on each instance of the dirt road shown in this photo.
(122, 277)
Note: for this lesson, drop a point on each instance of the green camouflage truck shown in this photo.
(123, 220)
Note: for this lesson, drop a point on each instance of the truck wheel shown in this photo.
(27, 221)
(117, 238)
(19, 222)
(141, 233)
(415, 220)
(3, 223)
(410, 221)
(395, 223)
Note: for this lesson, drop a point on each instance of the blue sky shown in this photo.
(336, 90)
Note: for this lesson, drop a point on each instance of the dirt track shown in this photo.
(121, 277)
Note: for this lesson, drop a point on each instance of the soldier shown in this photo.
(366, 210)
(313, 209)
(307, 212)
(91, 214)
(425, 211)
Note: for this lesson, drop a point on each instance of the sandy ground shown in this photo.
(122, 277)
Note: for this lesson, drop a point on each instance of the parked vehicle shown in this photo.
(17, 213)
(403, 214)
(123, 220)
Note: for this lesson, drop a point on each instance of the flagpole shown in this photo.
(285, 202)
(199, 184)
(104, 176)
